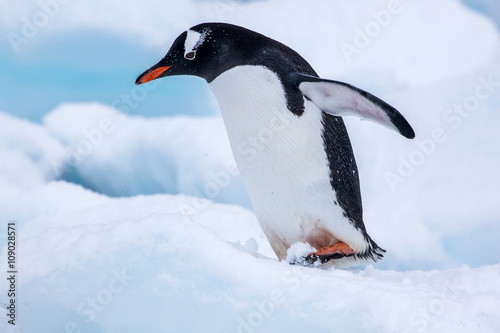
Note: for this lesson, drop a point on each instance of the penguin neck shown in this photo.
(252, 103)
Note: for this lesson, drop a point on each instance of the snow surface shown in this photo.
(100, 250)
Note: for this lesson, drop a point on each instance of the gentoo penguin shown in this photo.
(288, 138)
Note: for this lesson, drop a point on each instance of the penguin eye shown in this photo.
(190, 55)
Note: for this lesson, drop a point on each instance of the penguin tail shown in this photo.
(373, 252)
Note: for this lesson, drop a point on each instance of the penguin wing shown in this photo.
(342, 99)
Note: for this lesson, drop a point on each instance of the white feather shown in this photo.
(193, 40)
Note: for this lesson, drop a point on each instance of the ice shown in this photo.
(186, 155)
(27, 152)
(489, 8)
(139, 263)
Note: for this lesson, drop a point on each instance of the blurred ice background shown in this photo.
(103, 177)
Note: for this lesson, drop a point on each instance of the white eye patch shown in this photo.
(193, 40)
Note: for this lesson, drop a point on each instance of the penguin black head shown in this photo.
(205, 50)
(209, 49)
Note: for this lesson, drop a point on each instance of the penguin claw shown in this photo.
(303, 261)
(335, 251)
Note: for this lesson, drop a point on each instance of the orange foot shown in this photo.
(327, 253)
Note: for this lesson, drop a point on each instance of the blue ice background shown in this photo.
(90, 66)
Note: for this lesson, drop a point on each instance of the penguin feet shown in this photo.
(327, 253)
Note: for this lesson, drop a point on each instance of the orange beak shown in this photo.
(151, 75)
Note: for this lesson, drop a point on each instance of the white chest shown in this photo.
(268, 141)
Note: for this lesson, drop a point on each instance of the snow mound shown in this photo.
(172, 155)
(26, 149)
(140, 263)
(94, 263)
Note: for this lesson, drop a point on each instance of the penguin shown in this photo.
(288, 139)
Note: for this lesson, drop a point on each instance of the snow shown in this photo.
(128, 224)
(125, 264)
(297, 252)
(176, 155)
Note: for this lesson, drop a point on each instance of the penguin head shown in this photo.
(205, 50)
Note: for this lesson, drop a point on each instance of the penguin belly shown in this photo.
(282, 160)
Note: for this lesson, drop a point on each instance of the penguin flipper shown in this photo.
(342, 99)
